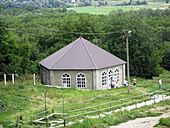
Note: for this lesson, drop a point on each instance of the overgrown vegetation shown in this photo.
(164, 122)
(24, 99)
(120, 117)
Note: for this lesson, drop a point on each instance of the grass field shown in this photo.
(119, 117)
(105, 10)
(25, 99)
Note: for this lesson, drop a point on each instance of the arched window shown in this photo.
(104, 78)
(81, 80)
(116, 75)
(110, 76)
(66, 80)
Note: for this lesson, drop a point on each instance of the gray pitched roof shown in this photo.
(80, 54)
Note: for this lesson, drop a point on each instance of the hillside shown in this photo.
(35, 4)
(32, 4)
(24, 99)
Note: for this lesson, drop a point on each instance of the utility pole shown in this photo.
(127, 53)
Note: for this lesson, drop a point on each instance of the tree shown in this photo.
(15, 53)
(45, 31)
(144, 44)
(3, 34)
(166, 59)
(166, 1)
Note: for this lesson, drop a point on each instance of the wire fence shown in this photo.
(13, 78)
(78, 114)
(72, 114)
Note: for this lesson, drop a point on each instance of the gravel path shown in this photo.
(147, 122)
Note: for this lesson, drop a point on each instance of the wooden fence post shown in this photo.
(34, 78)
(136, 104)
(64, 122)
(110, 106)
(5, 79)
(13, 79)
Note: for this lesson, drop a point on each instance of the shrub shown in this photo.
(165, 121)
(3, 105)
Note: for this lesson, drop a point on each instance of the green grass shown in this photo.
(105, 10)
(120, 117)
(25, 99)
(165, 121)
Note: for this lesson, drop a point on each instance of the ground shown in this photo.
(25, 99)
(105, 10)
(146, 122)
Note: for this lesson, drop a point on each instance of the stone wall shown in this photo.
(45, 75)
(56, 78)
(93, 77)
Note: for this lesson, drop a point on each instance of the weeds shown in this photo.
(165, 122)
(115, 118)
(25, 99)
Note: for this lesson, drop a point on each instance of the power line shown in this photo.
(87, 33)
(30, 33)
(61, 32)
(22, 32)
(65, 32)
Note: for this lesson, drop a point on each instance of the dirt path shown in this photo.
(147, 122)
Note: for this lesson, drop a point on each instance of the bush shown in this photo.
(3, 105)
(20, 86)
(165, 121)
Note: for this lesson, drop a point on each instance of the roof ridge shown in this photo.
(64, 54)
(89, 54)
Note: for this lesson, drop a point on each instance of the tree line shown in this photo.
(26, 39)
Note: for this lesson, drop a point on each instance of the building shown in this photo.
(83, 65)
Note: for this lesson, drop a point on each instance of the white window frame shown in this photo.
(110, 75)
(116, 75)
(66, 83)
(82, 82)
(104, 78)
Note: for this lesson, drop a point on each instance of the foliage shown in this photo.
(116, 118)
(24, 99)
(166, 1)
(2, 105)
(28, 37)
(166, 52)
(166, 59)
(15, 56)
(145, 44)
(165, 121)
(32, 5)
(23, 93)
